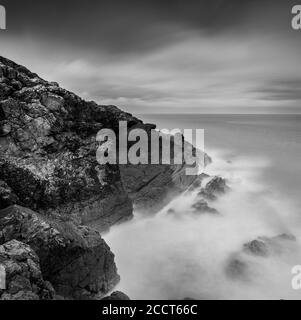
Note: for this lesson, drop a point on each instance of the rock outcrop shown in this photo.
(22, 276)
(75, 259)
(48, 147)
(152, 186)
(201, 206)
(240, 265)
(54, 194)
(265, 246)
(117, 295)
(215, 187)
(48, 155)
(7, 196)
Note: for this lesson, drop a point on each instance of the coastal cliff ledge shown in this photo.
(55, 198)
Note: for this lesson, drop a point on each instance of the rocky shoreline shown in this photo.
(56, 199)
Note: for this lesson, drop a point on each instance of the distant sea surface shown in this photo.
(275, 137)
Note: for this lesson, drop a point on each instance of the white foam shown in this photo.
(173, 257)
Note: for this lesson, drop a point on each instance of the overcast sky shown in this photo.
(154, 56)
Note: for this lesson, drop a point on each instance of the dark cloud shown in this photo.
(121, 26)
(161, 55)
(286, 90)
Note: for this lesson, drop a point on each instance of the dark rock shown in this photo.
(48, 162)
(265, 246)
(197, 184)
(49, 156)
(117, 295)
(241, 265)
(5, 129)
(285, 237)
(237, 268)
(257, 247)
(171, 211)
(75, 259)
(216, 186)
(48, 150)
(201, 206)
(24, 280)
(7, 196)
(152, 187)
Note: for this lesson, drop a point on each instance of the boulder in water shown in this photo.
(201, 206)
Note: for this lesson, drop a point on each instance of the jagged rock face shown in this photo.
(215, 187)
(48, 150)
(153, 186)
(48, 164)
(76, 260)
(7, 196)
(48, 155)
(23, 277)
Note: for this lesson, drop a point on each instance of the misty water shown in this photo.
(183, 256)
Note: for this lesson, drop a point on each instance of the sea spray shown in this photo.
(185, 256)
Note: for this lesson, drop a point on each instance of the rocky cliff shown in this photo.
(55, 197)
(75, 259)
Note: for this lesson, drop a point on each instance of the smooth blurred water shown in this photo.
(165, 257)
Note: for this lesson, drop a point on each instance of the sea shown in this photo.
(187, 257)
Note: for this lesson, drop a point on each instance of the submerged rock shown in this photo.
(201, 206)
(257, 247)
(48, 155)
(237, 268)
(216, 186)
(197, 184)
(171, 211)
(265, 246)
(23, 277)
(242, 264)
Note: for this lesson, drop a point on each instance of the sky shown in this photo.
(162, 56)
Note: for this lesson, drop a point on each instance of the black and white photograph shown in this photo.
(150, 150)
